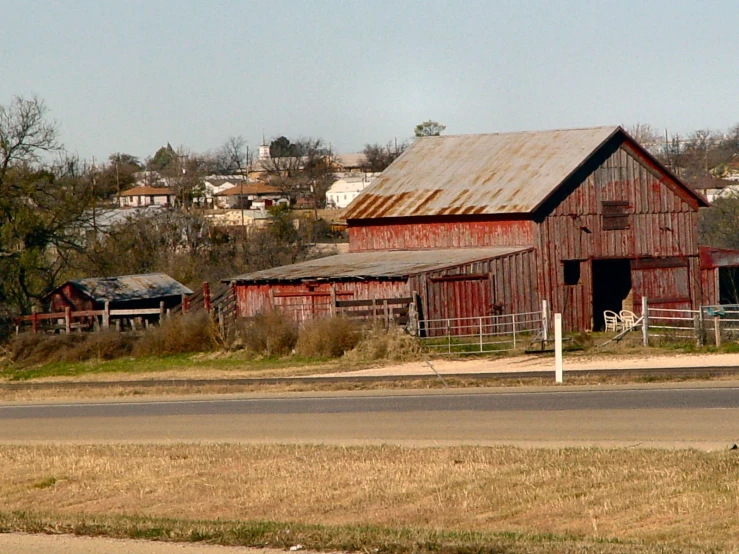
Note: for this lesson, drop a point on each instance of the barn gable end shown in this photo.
(622, 213)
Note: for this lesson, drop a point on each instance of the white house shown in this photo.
(256, 195)
(216, 184)
(343, 191)
(146, 196)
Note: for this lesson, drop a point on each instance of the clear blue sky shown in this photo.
(132, 75)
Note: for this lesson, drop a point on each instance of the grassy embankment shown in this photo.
(379, 499)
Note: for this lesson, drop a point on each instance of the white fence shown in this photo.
(708, 324)
(475, 335)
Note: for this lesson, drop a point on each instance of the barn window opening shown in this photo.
(615, 215)
(571, 270)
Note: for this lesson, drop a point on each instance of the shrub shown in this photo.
(268, 334)
(193, 332)
(328, 337)
(379, 343)
(33, 349)
(107, 345)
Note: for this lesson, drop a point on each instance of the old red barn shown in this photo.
(479, 224)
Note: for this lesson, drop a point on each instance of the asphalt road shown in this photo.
(669, 415)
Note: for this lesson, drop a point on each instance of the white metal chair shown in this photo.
(628, 319)
(612, 320)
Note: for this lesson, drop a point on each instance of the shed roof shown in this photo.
(128, 287)
(386, 264)
(147, 191)
(250, 188)
(502, 173)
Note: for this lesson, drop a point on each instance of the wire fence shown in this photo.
(475, 335)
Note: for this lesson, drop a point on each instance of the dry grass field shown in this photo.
(391, 498)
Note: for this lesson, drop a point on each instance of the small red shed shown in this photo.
(123, 292)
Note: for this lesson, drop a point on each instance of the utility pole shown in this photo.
(94, 203)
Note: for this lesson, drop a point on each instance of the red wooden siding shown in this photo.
(506, 284)
(662, 223)
(709, 286)
(301, 301)
(68, 296)
(438, 233)
(500, 285)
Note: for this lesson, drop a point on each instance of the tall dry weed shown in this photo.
(268, 334)
(31, 349)
(380, 343)
(193, 332)
(328, 337)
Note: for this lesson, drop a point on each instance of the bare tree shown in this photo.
(645, 135)
(25, 134)
(379, 156)
(232, 157)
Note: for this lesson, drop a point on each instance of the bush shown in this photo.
(34, 349)
(269, 334)
(193, 332)
(378, 343)
(328, 337)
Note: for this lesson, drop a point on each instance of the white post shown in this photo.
(558, 348)
(544, 321)
(480, 327)
(644, 321)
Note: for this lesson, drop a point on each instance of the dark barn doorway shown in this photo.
(611, 285)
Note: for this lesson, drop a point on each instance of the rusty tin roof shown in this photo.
(385, 264)
(129, 287)
(478, 174)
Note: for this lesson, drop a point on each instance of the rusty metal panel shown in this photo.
(440, 233)
(360, 265)
(477, 174)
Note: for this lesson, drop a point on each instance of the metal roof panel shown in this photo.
(131, 287)
(477, 174)
(382, 264)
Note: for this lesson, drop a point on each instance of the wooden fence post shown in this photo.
(644, 321)
(332, 307)
(386, 313)
(106, 315)
(544, 321)
(67, 320)
(717, 330)
(206, 297)
(698, 325)
(161, 312)
(235, 300)
(34, 320)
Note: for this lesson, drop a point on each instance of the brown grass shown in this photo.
(379, 343)
(655, 496)
(269, 334)
(193, 332)
(34, 349)
(328, 337)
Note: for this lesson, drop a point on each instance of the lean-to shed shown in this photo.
(123, 292)
(587, 219)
